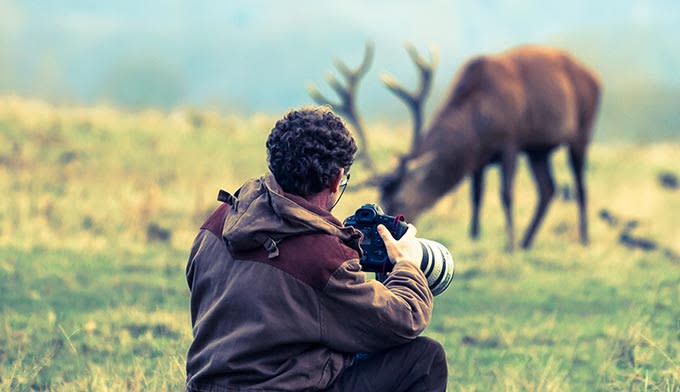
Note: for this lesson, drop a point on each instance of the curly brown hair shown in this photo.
(307, 148)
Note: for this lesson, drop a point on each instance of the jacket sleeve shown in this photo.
(360, 315)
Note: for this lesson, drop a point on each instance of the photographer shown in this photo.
(278, 298)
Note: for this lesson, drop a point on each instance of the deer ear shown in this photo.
(421, 162)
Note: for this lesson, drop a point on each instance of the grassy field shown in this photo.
(100, 207)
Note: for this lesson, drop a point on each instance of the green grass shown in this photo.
(91, 320)
(90, 302)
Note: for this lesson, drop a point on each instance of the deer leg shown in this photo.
(508, 165)
(540, 167)
(477, 190)
(577, 160)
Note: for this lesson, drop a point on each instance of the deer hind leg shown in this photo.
(577, 159)
(540, 167)
(508, 166)
(477, 191)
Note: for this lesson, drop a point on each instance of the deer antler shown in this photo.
(415, 100)
(347, 94)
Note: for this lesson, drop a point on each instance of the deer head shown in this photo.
(412, 196)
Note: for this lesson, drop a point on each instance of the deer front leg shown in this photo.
(508, 166)
(477, 191)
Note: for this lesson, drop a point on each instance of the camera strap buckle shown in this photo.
(226, 197)
(269, 245)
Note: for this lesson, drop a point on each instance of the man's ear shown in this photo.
(335, 184)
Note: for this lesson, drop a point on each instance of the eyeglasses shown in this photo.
(343, 186)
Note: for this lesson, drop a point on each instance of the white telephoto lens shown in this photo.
(437, 265)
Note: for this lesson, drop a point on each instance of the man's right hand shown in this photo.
(406, 249)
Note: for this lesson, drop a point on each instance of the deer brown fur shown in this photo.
(526, 100)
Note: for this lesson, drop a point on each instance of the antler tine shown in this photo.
(343, 92)
(317, 96)
(347, 93)
(354, 75)
(426, 68)
(415, 100)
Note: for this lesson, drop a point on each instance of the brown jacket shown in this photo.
(279, 301)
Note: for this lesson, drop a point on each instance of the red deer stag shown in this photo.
(529, 99)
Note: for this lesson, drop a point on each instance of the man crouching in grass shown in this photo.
(278, 298)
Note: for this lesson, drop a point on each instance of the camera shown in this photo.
(436, 263)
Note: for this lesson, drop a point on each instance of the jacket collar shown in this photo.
(266, 215)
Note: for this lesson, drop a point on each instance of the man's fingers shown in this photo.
(385, 234)
(406, 248)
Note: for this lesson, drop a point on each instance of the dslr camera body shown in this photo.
(436, 262)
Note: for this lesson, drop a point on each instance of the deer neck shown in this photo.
(453, 137)
(445, 157)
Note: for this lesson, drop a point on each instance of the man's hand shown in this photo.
(407, 249)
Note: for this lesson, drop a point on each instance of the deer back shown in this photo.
(525, 97)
